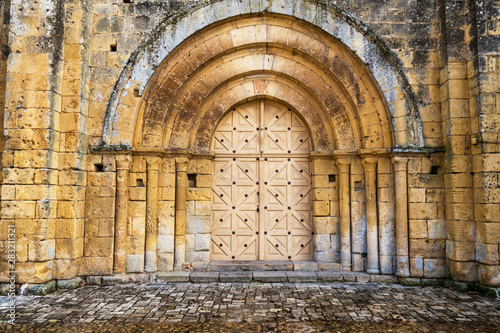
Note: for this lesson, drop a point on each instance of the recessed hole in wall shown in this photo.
(137, 93)
(99, 167)
(140, 182)
(434, 170)
(127, 1)
(112, 47)
(332, 178)
(358, 185)
(191, 180)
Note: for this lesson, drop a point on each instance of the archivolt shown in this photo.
(349, 97)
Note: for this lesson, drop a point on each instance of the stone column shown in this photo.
(181, 165)
(153, 166)
(121, 213)
(343, 166)
(401, 191)
(370, 165)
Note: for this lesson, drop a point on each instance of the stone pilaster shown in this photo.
(181, 165)
(153, 166)
(121, 213)
(370, 165)
(345, 213)
(401, 190)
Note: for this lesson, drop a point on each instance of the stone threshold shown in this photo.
(252, 266)
(271, 277)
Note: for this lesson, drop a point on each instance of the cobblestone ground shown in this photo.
(253, 307)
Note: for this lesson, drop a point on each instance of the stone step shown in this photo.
(245, 265)
(271, 277)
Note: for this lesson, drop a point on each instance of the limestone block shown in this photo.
(200, 167)
(386, 194)
(137, 208)
(166, 225)
(437, 229)
(417, 267)
(203, 208)
(460, 211)
(387, 264)
(322, 242)
(135, 263)
(136, 245)
(434, 268)
(69, 283)
(197, 225)
(423, 211)
(98, 247)
(41, 250)
(106, 227)
(321, 208)
(190, 243)
(166, 180)
(69, 248)
(137, 193)
(94, 207)
(166, 208)
(326, 257)
(358, 262)
(198, 256)
(418, 229)
(322, 194)
(165, 262)
(165, 243)
(137, 226)
(324, 225)
(460, 251)
(96, 266)
(320, 181)
(486, 212)
(488, 253)
(488, 233)
(417, 195)
(38, 289)
(34, 272)
(201, 194)
(167, 193)
(18, 209)
(204, 181)
(202, 242)
(18, 176)
(427, 248)
(324, 167)
(66, 268)
(461, 230)
(489, 275)
(335, 242)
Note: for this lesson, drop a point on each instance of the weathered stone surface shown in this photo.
(204, 277)
(329, 276)
(69, 284)
(235, 277)
(270, 276)
(38, 289)
(169, 277)
(302, 276)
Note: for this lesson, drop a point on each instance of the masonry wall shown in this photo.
(59, 66)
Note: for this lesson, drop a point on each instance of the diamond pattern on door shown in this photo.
(287, 215)
(234, 213)
(262, 204)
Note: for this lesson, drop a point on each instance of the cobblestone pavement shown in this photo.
(254, 307)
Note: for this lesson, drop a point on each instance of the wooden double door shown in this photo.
(262, 200)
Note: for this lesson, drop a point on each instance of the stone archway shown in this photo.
(339, 80)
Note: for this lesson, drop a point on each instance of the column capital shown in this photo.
(181, 164)
(122, 162)
(400, 163)
(369, 162)
(153, 163)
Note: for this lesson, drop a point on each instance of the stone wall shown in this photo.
(61, 62)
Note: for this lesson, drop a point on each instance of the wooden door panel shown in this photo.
(262, 207)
